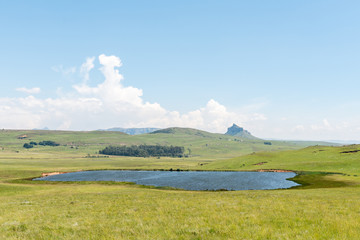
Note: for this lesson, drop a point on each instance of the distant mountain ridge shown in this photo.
(237, 131)
(132, 131)
(45, 128)
(234, 130)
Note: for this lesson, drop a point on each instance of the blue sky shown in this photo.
(282, 69)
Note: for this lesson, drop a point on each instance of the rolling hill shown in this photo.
(200, 144)
(131, 131)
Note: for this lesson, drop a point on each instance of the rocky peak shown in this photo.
(237, 131)
(234, 129)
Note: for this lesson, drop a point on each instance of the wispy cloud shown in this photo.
(64, 71)
(325, 125)
(86, 68)
(299, 128)
(34, 90)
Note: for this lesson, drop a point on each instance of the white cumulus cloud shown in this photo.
(111, 104)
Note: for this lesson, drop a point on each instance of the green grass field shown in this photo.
(326, 207)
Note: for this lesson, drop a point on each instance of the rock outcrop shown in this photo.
(237, 131)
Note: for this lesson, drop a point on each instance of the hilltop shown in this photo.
(237, 131)
(186, 131)
(131, 131)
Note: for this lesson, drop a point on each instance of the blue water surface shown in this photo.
(188, 180)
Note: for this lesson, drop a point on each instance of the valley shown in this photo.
(325, 206)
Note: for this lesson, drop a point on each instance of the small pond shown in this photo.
(188, 180)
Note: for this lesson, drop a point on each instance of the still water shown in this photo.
(189, 180)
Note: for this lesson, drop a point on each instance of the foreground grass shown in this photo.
(125, 212)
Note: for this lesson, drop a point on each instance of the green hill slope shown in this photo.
(343, 159)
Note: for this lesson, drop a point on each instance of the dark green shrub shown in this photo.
(28, 145)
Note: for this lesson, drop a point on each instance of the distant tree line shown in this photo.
(42, 143)
(144, 151)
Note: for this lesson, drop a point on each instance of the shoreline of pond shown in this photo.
(45, 174)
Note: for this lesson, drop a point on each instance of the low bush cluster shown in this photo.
(42, 143)
(49, 143)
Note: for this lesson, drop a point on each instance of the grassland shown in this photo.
(328, 210)
(342, 159)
